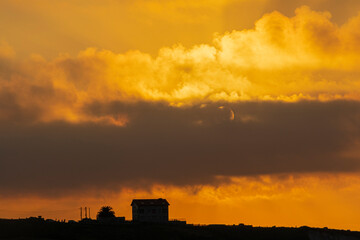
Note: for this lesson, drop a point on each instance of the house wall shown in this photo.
(150, 213)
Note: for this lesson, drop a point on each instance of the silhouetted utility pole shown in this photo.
(85, 211)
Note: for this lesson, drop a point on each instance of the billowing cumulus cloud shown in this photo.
(281, 59)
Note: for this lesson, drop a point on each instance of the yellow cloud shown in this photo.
(281, 59)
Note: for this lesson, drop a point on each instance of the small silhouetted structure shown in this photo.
(150, 210)
(87, 210)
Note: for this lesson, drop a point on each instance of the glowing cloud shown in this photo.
(306, 57)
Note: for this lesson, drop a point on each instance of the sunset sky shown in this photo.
(235, 111)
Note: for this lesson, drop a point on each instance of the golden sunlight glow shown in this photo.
(88, 86)
(306, 57)
(288, 200)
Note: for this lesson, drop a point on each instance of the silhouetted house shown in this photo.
(150, 210)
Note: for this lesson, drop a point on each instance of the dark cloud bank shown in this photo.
(179, 146)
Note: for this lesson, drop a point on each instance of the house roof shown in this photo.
(150, 202)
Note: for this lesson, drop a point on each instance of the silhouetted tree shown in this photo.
(106, 212)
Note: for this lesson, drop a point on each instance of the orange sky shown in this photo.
(318, 200)
(236, 111)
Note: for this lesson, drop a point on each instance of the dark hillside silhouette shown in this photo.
(41, 229)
